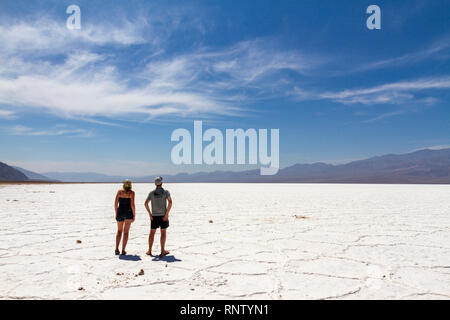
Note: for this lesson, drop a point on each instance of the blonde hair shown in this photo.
(127, 185)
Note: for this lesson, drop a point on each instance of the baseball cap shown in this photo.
(158, 180)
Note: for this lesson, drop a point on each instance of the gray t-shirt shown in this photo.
(158, 199)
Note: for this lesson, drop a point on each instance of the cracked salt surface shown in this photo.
(351, 242)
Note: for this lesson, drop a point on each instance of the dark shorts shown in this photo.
(158, 222)
(124, 216)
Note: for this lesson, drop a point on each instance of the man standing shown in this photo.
(159, 215)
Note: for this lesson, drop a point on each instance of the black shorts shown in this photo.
(158, 222)
(124, 216)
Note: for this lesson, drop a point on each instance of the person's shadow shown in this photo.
(130, 257)
(168, 258)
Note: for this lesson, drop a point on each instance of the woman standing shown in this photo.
(125, 214)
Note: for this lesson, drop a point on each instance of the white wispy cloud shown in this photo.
(44, 35)
(88, 84)
(20, 130)
(432, 51)
(6, 114)
(392, 93)
(386, 115)
(247, 69)
(250, 61)
(438, 147)
(84, 82)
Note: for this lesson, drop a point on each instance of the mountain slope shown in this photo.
(33, 175)
(8, 173)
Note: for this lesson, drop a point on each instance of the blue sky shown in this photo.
(107, 97)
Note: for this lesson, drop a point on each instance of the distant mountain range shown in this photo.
(83, 177)
(12, 173)
(423, 166)
(33, 176)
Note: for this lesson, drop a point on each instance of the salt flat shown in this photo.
(274, 241)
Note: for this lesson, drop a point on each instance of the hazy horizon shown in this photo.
(236, 168)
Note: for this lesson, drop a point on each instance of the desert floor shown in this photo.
(253, 241)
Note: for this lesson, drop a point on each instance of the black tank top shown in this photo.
(124, 206)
